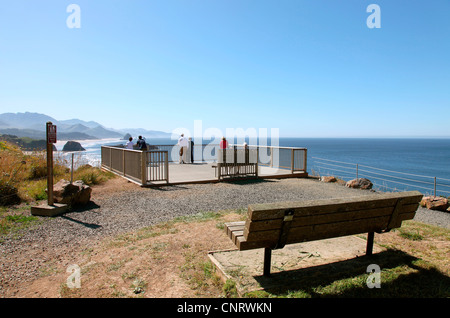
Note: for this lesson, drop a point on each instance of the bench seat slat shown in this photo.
(347, 227)
(264, 225)
(325, 206)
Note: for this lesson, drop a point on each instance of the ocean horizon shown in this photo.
(412, 163)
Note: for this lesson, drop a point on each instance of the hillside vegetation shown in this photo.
(23, 177)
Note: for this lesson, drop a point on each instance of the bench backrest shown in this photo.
(237, 156)
(275, 224)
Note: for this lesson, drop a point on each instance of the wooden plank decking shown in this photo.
(205, 173)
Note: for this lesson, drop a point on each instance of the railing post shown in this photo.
(292, 161)
(143, 168)
(123, 162)
(166, 166)
(304, 159)
(271, 157)
(356, 171)
(257, 162)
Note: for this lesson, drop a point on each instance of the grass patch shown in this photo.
(15, 220)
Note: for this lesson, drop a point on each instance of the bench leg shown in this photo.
(267, 260)
(369, 247)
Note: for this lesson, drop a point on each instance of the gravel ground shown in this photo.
(55, 240)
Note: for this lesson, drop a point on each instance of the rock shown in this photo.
(126, 137)
(75, 194)
(360, 183)
(73, 146)
(328, 179)
(434, 203)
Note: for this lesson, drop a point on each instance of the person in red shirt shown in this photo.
(223, 143)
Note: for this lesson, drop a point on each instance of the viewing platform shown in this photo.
(160, 165)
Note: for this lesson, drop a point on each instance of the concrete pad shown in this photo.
(49, 210)
(288, 264)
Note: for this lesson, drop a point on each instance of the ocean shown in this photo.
(392, 164)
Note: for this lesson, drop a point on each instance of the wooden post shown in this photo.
(292, 161)
(369, 247)
(166, 165)
(267, 260)
(271, 157)
(50, 163)
(257, 162)
(305, 152)
(143, 168)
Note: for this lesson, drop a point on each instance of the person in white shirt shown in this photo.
(130, 143)
(183, 143)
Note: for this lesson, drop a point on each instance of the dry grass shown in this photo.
(23, 176)
(170, 260)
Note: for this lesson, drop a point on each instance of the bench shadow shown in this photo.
(420, 282)
(172, 187)
(249, 180)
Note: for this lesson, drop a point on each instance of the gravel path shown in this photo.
(57, 240)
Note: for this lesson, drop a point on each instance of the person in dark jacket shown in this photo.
(141, 144)
(191, 144)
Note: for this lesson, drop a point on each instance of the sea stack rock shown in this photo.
(126, 137)
(73, 146)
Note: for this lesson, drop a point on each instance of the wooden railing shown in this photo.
(139, 166)
(147, 167)
(289, 158)
(235, 162)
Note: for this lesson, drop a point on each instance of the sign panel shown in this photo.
(51, 134)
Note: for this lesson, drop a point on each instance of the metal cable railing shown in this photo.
(382, 179)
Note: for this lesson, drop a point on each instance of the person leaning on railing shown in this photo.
(183, 143)
(223, 143)
(141, 144)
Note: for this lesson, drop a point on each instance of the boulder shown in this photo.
(73, 146)
(434, 203)
(73, 194)
(360, 183)
(328, 179)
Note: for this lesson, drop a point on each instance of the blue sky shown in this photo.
(308, 68)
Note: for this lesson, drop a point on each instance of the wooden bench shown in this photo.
(273, 225)
(234, 163)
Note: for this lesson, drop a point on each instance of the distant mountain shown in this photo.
(33, 125)
(101, 133)
(146, 133)
(36, 134)
(71, 122)
(26, 120)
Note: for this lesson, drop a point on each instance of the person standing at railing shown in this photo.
(130, 143)
(183, 143)
(223, 143)
(191, 150)
(141, 144)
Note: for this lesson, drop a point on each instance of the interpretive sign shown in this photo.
(51, 133)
